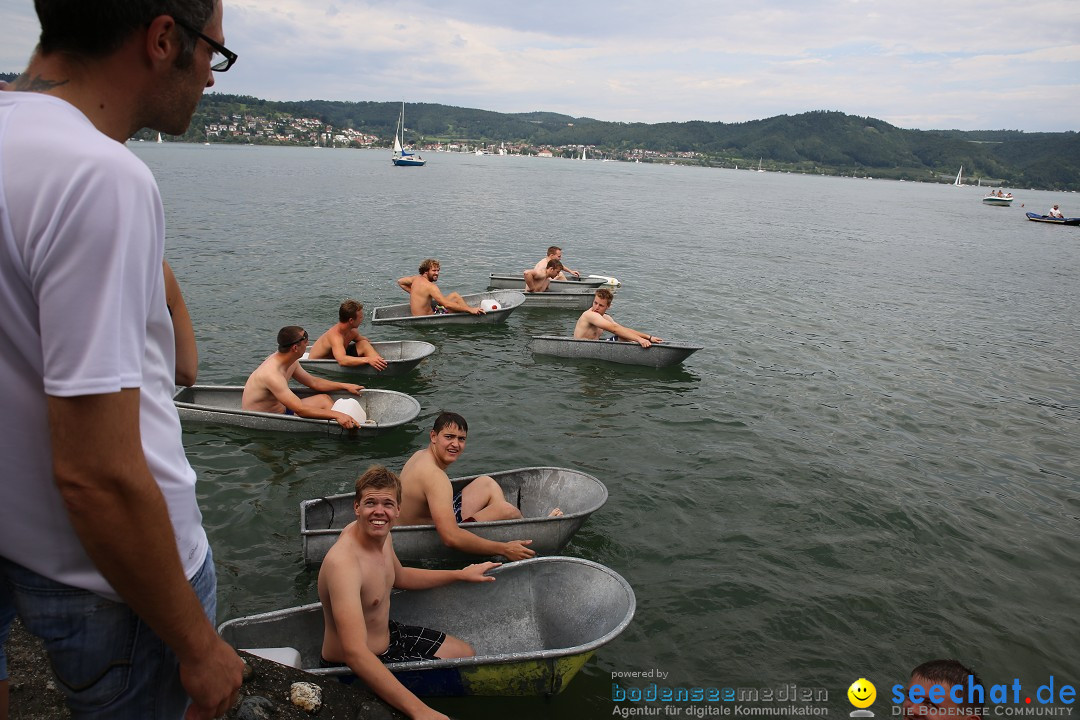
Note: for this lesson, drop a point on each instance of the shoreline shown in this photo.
(34, 695)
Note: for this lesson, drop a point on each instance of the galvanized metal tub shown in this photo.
(536, 491)
(625, 353)
(402, 356)
(517, 282)
(581, 300)
(402, 315)
(220, 405)
(532, 629)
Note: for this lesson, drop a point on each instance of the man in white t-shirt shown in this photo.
(102, 550)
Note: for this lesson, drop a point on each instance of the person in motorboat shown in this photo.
(1055, 212)
(344, 343)
(555, 253)
(595, 321)
(355, 582)
(540, 280)
(428, 497)
(425, 297)
(267, 389)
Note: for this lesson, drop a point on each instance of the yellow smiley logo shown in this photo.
(862, 693)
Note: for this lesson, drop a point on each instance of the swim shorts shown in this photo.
(457, 511)
(412, 642)
(407, 644)
(438, 309)
(289, 412)
(350, 350)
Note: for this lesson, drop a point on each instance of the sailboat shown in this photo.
(759, 165)
(401, 157)
(957, 182)
(159, 137)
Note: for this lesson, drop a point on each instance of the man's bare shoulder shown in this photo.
(266, 372)
(341, 560)
(321, 347)
(420, 468)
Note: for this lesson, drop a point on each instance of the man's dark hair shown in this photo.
(428, 264)
(289, 336)
(553, 249)
(95, 28)
(553, 263)
(348, 310)
(605, 294)
(954, 673)
(378, 477)
(449, 418)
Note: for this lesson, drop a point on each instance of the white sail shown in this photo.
(957, 182)
(401, 155)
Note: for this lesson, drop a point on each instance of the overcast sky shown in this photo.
(965, 64)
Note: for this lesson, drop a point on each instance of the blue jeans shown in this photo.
(108, 663)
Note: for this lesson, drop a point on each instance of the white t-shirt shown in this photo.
(82, 312)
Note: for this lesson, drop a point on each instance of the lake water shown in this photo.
(872, 462)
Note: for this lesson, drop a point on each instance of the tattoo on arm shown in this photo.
(36, 83)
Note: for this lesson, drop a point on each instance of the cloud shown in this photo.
(966, 63)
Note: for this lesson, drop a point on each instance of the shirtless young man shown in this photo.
(354, 587)
(425, 298)
(593, 322)
(540, 280)
(555, 253)
(344, 343)
(267, 389)
(428, 498)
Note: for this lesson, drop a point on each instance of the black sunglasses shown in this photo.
(229, 55)
(300, 339)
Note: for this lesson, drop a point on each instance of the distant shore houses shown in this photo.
(285, 129)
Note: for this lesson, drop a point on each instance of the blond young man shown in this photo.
(355, 581)
(595, 321)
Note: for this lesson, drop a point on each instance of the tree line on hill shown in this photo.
(826, 142)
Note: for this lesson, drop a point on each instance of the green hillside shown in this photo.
(825, 142)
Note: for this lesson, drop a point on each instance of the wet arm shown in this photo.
(409, 578)
(453, 535)
(343, 586)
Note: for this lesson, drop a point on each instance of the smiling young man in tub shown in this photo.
(355, 581)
